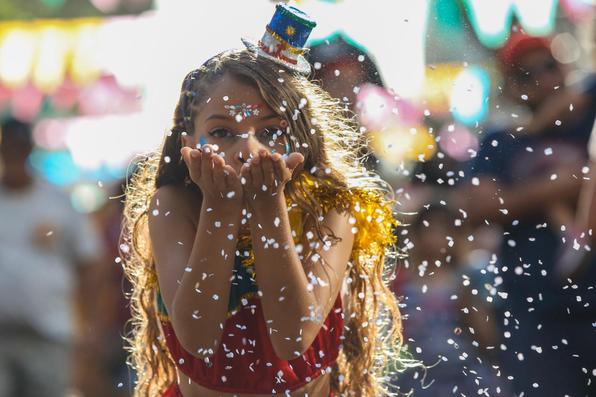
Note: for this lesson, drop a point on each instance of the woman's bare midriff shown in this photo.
(317, 388)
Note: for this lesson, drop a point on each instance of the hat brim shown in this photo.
(302, 66)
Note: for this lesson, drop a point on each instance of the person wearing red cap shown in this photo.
(530, 71)
(528, 178)
(524, 58)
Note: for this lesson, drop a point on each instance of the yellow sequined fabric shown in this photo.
(371, 218)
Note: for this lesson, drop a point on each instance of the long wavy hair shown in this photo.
(330, 144)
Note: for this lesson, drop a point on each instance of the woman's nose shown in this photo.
(248, 147)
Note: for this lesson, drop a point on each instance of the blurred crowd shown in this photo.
(497, 283)
(63, 309)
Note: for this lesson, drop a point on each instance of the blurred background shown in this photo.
(478, 113)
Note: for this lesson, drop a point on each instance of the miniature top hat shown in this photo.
(284, 38)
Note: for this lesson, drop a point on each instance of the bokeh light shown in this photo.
(565, 48)
(457, 141)
(17, 53)
(469, 95)
(87, 197)
(50, 66)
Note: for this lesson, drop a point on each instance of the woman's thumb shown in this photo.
(294, 160)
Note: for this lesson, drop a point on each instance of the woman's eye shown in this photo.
(220, 133)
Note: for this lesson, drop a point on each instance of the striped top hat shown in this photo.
(285, 37)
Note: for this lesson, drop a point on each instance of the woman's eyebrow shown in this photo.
(218, 117)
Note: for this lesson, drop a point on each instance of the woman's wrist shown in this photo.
(270, 205)
(221, 207)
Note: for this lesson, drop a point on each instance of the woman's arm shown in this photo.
(298, 291)
(194, 266)
(194, 262)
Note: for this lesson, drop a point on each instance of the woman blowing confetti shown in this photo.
(257, 240)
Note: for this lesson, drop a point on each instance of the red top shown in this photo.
(245, 361)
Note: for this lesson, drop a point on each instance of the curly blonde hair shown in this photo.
(330, 143)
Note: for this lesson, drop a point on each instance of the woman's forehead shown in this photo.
(232, 95)
(233, 89)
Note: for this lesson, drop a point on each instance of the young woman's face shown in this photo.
(238, 120)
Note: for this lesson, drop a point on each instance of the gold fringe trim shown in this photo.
(289, 47)
(371, 216)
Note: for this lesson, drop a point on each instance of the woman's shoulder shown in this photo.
(350, 198)
(370, 213)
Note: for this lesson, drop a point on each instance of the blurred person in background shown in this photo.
(113, 307)
(48, 253)
(446, 323)
(527, 180)
(579, 263)
(341, 68)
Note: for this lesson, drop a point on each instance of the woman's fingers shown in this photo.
(279, 166)
(219, 179)
(245, 176)
(211, 173)
(230, 176)
(294, 160)
(207, 165)
(295, 163)
(256, 172)
(266, 173)
(232, 181)
(269, 180)
(185, 154)
(192, 159)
